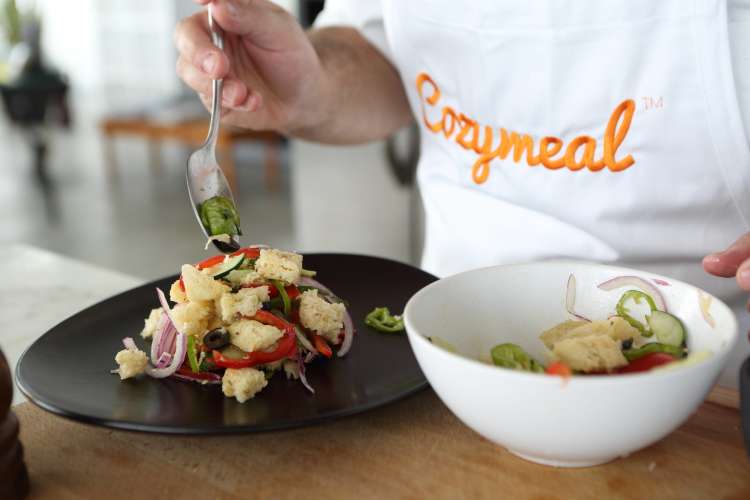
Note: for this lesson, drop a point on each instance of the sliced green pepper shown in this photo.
(274, 303)
(284, 296)
(633, 354)
(623, 311)
(219, 216)
(192, 355)
(382, 320)
(514, 357)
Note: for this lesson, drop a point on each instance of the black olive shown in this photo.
(627, 344)
(216, 339)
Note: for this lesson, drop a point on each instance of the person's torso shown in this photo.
(605, 131)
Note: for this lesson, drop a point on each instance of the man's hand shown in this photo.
(732, 262)
(329, 86)
(270, 68)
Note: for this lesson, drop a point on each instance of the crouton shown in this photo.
(592, 353)
(242, 383)
(201, 287)
(323, 318)
(278, 265)
(250, 335)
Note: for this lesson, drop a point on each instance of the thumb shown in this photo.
(262, 21)
(727, 262)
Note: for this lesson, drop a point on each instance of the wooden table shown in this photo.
(192, 133)
(412, 449)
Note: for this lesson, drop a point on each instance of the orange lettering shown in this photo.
(448, 127)
(545, 154)
(434, 97)
(468, 137)
(519, 144)
(588, 153)
(467, 125)
(614, 136)
(481, 168)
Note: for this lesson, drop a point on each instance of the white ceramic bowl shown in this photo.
(586, 420)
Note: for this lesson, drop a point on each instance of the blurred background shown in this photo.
(95, 130)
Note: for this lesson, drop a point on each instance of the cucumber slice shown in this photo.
(230, 264)
(667, 328)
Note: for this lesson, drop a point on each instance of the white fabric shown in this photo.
(560, 69)
(366, 16)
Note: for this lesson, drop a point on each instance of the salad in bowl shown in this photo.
(238, 319)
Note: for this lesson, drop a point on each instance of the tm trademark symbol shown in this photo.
(652, 102)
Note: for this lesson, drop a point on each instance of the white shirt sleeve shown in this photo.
(365, 16)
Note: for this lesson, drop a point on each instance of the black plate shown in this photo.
(66, 371)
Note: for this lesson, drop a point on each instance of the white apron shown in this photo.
(600, 130)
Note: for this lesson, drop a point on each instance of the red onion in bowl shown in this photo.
(621, 281)
(570, 299)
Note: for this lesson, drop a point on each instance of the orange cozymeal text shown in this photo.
(490, 143)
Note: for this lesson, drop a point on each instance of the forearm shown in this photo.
(359, 97)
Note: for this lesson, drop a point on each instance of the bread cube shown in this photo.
(250, 335)
(279, 265)
(593, 353)
(131, 363)
(192, 318)
(320, 316)
(176, 293)
(151, 324)
(245, 302)
(242, 383)
(200, 287)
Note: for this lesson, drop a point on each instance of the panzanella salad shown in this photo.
(638, 336)
(237, 320)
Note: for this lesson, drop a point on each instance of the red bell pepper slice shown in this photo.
(321, 345)
(292, 291)
(188, 372)
(286, 348)
(249, 252)
(647, 362)
(559, 369)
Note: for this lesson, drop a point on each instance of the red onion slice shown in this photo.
(129, 344)
(306, 281)
(206, 378)
(176, 362)
(165, 305)
(304, 341)
(621, 281)
(346, 344)
(163, 360)
(570, 298)
(302, 377)
(661, 282)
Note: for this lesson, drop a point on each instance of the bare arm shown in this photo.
(364, 95)
(329, 85)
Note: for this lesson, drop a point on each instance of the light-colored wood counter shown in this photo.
(412, 449)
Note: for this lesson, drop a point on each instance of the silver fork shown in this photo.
(205, 179)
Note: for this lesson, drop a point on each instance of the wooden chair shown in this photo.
(191, 132)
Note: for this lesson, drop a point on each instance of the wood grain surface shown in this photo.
(412, 449)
